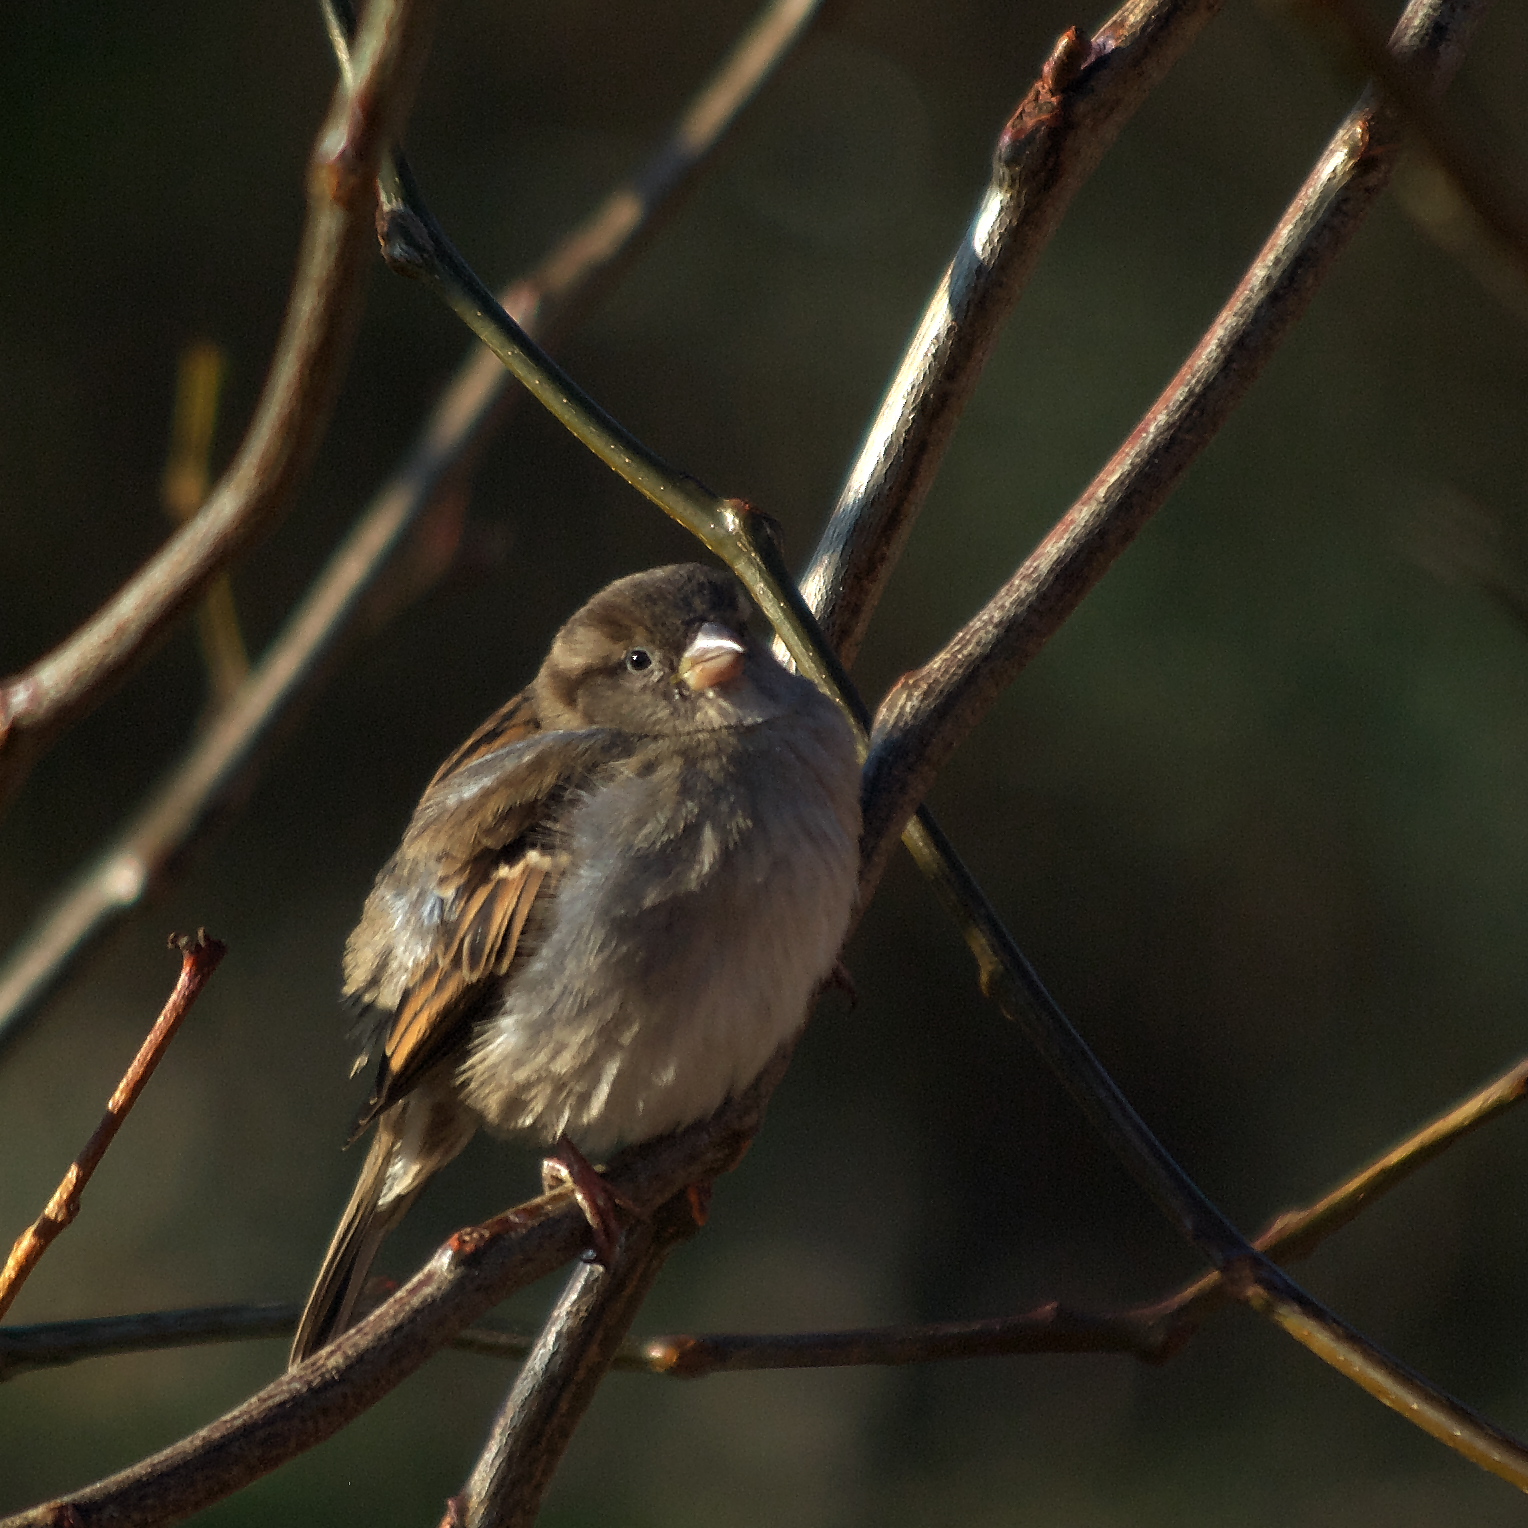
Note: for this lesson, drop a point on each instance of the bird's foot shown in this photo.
(597, 1197)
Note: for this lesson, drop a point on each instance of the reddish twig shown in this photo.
(37, 705)
(199, 959)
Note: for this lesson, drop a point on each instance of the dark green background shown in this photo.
(1258, 814)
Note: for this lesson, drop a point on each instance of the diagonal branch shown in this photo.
(199, 958)
(223, 760)
(37, 705)
(933, 709)
(1086, 93)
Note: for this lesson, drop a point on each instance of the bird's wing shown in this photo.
(448, 913)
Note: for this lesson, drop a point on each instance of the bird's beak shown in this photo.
(714, 657)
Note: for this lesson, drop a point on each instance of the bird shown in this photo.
(611, 906)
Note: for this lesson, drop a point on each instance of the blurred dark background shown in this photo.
(1258, 814)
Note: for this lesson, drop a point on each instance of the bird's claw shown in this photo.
(597, 1197)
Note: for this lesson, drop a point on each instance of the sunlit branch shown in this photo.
(1055, 138)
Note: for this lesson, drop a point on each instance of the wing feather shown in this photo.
(448, 915)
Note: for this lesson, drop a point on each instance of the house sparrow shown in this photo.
(610, 908)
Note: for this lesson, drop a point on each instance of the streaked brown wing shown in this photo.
(487, 938)
(447, 915)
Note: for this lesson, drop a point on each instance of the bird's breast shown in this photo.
(707, 890)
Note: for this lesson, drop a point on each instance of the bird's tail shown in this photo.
(414, 1137)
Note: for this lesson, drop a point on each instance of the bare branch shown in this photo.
(1153, 1332)
(200, 957)
(36, 706)
(53, 1344)
(933, 709)
(1086, 93)
(226, 755)
(561, 1373)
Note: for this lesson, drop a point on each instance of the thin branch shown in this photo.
(37, 705)
(57, 1344)
(199, 958)
(933, 709)
(1086, 93)
(54, 1344)
(475, 1270)
(1154, 1332)
(561, 1373)
(205, 785)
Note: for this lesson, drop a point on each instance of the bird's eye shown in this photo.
(637, 659)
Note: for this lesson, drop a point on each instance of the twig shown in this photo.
(56, 1344)
(199, 959)
(226, 755)
(39, 703)
(1086, 93)
(475, 1270)
(560, 1375)
(53, 1344)
(1153, 1331)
